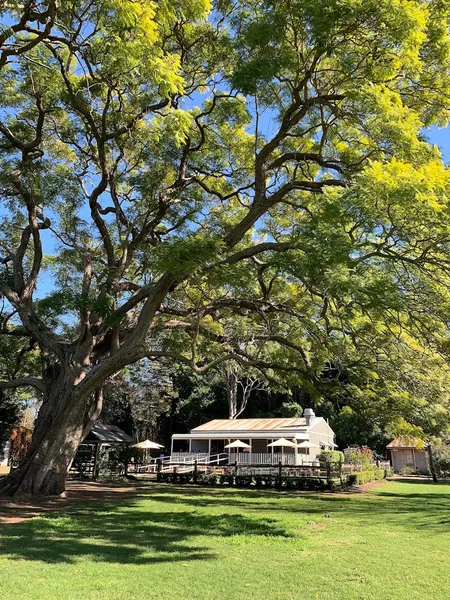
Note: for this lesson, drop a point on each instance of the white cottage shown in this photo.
(209, 440)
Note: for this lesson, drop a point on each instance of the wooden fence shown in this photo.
(312, 476)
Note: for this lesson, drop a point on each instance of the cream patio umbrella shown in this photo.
(306, 444)
(282, 443)
(147, 445)
(237, 444)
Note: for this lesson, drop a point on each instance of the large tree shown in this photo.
(248, 182)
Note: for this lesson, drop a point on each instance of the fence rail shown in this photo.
(330, 471)
(281, 476)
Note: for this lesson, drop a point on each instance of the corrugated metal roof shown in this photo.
(252, 425)
(220, 435)
(109, 433)
(402, 442)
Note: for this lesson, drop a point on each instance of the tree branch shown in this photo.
(24, 382)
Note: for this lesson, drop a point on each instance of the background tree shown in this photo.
(364, 413)
(239, 390)
(9, 416)
(142, 402)
(18, 359)
(172, 170)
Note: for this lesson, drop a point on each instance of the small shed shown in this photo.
(107, 434)
(101, 436)
(408, 453)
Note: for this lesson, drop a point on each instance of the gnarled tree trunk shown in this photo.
(64, 420)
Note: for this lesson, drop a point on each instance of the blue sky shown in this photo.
(440, 137)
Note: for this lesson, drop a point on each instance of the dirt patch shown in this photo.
(359, 489)
(17, 511)
(365, 487)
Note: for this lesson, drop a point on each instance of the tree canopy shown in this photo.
(248, 182)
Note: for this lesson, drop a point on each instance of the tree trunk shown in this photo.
(63, 421)
(232, 394)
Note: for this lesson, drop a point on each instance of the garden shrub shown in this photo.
(360, 455)
(330, 457)
(361, 477)
(180, 478)
(249, 481)
(441, 456)
(408, 471)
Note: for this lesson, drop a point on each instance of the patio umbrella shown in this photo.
(148, 445)
(306, 444)
(237, 444)
(282, 443)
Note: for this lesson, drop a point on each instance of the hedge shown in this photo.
(331, 457)
(249, 481)
(361, 477)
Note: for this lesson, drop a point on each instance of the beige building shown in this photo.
(408, 453)
(210, 440)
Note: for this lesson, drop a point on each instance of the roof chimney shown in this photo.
(309, 415)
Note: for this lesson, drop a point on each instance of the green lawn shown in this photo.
(212, 544)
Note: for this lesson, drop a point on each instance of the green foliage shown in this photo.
(408, 471)
(9, 416)
(441, 457)
(362, 456)
(362, 477)
(330, 457)
(188, 254)
(269, 482)
(290, 409)
(142, 402)
(355, 426)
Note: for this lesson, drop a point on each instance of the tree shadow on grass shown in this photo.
(125, 534)
(429, 509)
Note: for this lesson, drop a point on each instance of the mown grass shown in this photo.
(212, 544)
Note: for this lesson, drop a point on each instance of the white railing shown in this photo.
(243, 458)
(200, 457)
(187, 457)
(183, 461)
(269, 458)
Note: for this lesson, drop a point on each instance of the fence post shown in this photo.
(158, 470)
(279, 482)
(328, 472)
(340, 471)
(96, 470)
(195, 471)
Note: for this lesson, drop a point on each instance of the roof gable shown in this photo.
(406, 442)
(108, 433)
